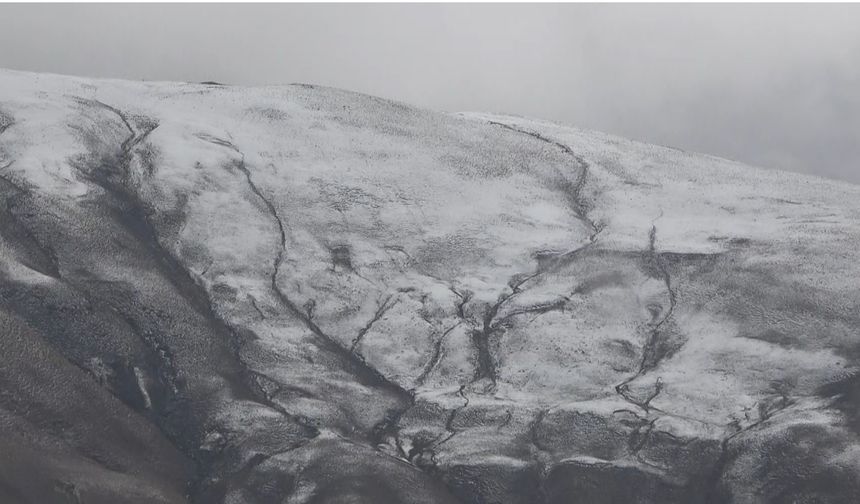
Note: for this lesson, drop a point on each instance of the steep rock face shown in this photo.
(298, 294)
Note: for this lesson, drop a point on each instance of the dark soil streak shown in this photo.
(363, 371)
(574, 190)
(557, 305)
(486, 365)
(36, 255)
(436, 356)
(449, 422)
(380, 311)
(134, 215)
(651, 354)
(355, 363)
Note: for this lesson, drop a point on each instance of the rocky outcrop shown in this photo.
(299, 294)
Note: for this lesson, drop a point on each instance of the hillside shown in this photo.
(299, 294)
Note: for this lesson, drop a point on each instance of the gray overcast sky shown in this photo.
(770, 85)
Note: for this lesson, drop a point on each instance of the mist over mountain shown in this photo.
(297, 294)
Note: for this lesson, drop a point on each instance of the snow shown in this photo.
(402, 226)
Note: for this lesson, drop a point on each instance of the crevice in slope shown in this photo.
(537, 309)
(268, 389)
(486, 366)
(366, 373)
(573, 190)
(464, 298)
(486, 362)
(424, 449)
(158, 357)
(254, 304)
(113, 175)
(435, 357)
(449, 422)
(653, 351)
(380, 311)
(481, 338)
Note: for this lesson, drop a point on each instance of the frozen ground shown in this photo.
(299, 294)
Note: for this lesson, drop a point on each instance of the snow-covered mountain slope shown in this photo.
(299, 294)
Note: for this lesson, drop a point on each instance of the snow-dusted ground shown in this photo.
(301, 294)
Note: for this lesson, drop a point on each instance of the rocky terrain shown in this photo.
(295, 294)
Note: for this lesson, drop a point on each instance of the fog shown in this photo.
(770, 85)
